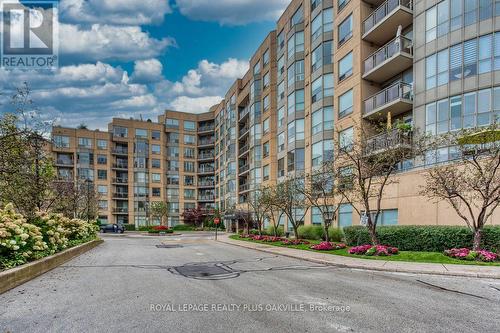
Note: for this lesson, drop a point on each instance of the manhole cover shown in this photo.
(165, 246)
(205, 271)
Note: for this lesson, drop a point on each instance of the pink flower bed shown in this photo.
(294, 242)
(466, 254)
(326, 246)
(374, 250)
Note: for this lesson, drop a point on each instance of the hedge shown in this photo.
(424, 238)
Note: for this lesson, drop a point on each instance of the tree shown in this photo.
(159, 209)
(194, 216)
(367, 166)
(290, 200)
(321, 192)
(245, 216)
(260, 206)
(471, 183)
(26, 171)
(78, 199)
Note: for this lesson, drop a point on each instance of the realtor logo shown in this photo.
(29, 34)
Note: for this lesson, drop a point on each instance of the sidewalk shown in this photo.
(492, 272)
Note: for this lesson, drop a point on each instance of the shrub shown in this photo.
(370, 250)
(424, 238)
(254, 232)
(279, 230)
(183, 227)
(310, 231)
(326, 246)
(466, 254)
(129, 227)
(335, 234)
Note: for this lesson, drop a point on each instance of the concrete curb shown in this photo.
(16, 276)
(403, 267)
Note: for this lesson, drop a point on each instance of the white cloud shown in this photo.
(194, 104)
(147, 71)
(107, 42)
(232, 12)
(121, 12)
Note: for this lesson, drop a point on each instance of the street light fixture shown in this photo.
(328, 216)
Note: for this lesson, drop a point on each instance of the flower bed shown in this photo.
(374, 250)
(466, 254)
(327, 246)
(294, 242)
(49, 233)
(160, 229)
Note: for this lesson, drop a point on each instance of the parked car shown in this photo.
(119, 228)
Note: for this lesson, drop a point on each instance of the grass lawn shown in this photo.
(409, 256)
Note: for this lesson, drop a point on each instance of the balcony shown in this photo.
(120, 166)
(391, 59)
(206, 156)
(395, 139)
(120, 180)
(244, 187)
(120, 195)
(120, 136)
(396, 99)
(206, 197)
(244, 168)
(210, 142)
(243, 149)
(120, 151)
(120, 210)
(206, 170)
(243, 131)
(206, 128)
(64, 163)
(206, 184)
(384, 20)
(244, 113)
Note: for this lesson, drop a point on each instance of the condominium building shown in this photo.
(329, 67)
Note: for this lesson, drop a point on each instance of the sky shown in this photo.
(133, 58)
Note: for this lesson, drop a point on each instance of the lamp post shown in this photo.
(89, 183)
(328, 218)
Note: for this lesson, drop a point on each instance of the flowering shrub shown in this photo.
(325, 246)
(466, 254)
(294, 242)
(272, 239)
(374, 250)
(160, 227)
(21, 241)
(258, 237)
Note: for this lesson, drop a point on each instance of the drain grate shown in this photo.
(165, 246)
(205, 271)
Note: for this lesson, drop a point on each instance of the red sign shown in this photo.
(217, 220)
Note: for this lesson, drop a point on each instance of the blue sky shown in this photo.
(130, 58)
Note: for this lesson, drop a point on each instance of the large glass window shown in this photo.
(345, 103)
(345, 30)
(189, 125)
(317, 153)
(317, 90)
(345, 67)
(299, 129)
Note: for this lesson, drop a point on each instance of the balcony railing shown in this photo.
(390, 94)
(206, 197)
(120, 180)
(244, 187)
(120, 166)
(390, 140)
(206, 156)
(206, 128)
(382, 11)
(398, 44)
(206, 169)
(244, 168)
(65, 162)
(243, 149)
(122, 210)
(206, 184)
(120, 195)
(244, 112)
(206, 142)
(120, 151)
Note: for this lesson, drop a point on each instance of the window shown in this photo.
(317, 121)
(155, 163)
(189, 194)
(103, 204)
(102, 174)
(291, 132)
(172, 123)
(442, 18)
(296, 44)
(456, 62)
(102, 189)
(266, 80)
(430, 24)
(189, 139)
(141, 133)
(430, 71)
(121, 132)
(188, 166)
(266, 149)
(281, 167)
(315, 4)
(345, 67)
(155, 135)
(328, 85)
(345, 103)
(281, 141)
(316, 27)
(102, 159)
(342, 4)
(281, 91)
(299, 71)
(328, 19)
(188, 153)
(156, 191)
(265, 57)
(188, 180)
(102, 144)
(470, 12)
(61, 141)
(173, 138)
(442, 67)
(281, 40)
(156, 177)
(470, 58)
(266, 172)
(266, 103)
(265, 126)
(328, 150)
(317, 90)
(189, 125)
(256, 68)
(345, 215)
(345, 30)
(317, 58)
(299, 129)
(298, 17)
(156, 149)
(456, 10)
(485, 54)
(346, 138)
(299, 100)
(281, 65)
(299, 159)
(84, 142)
(317, 154)
(327, 53)
(281, 116)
